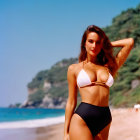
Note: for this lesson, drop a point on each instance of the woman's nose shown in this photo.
(94, 45)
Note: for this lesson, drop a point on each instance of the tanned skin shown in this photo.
(75, 128)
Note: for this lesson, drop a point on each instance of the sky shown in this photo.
(35, 34)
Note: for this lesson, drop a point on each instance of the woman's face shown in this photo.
(93, 44)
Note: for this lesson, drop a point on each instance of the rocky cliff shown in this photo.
(49, 88)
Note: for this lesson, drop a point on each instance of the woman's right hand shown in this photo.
(66, 137)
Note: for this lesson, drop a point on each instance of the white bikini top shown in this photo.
(84, 80)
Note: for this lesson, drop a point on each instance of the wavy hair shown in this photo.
(105, 56)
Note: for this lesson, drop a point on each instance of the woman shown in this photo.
(93, 76)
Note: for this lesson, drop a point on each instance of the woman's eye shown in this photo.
(90, 41)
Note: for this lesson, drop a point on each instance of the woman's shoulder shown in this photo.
(74, 67)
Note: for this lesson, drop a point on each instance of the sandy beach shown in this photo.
(125, 126)
(54, 132)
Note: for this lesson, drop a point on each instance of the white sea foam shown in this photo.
(32, 123)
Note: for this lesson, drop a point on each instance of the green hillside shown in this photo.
(126, 90)
(127, 24)
(56, 76)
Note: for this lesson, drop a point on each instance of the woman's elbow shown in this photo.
(131, 42)
(71, 103)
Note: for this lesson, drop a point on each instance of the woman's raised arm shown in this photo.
(72, 98)
(126, 44)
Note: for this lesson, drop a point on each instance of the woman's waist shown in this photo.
(96, 99)
(94, 91)
(96, 103)
(101, 99)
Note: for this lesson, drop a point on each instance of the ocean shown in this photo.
(21, 123)
(29, 117)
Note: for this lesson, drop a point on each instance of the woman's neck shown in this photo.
(92, 60)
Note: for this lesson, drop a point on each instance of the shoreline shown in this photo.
(125, 126)
(32, 123)
(51, 132)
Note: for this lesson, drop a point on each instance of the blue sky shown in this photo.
(35, 34)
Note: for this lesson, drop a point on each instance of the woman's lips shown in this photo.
(93, 51)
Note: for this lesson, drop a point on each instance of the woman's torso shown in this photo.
(96, 94)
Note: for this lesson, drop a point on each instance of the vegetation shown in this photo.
(37, 97)
(125, 25)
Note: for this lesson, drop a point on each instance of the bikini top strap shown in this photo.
(98, 82)
(83, 64)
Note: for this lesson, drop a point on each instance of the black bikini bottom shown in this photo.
(96, 117)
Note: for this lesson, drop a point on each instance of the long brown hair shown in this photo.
(105, 57)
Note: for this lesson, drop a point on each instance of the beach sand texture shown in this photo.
(54, 132)
(125, 126)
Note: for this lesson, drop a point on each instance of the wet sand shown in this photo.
(54, 132)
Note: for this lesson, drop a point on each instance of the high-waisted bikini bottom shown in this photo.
(95, 117)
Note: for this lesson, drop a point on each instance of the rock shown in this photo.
(29, 104)
(60, 84)
(135, 83)
(62, 105)
(46, 86)
(49, 102)
(47, 99)
(32, 91)
(51, 105)
(24, 104)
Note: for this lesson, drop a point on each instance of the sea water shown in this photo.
(29, 117)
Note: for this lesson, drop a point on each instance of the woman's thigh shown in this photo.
(103, 135)
(78, 129)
